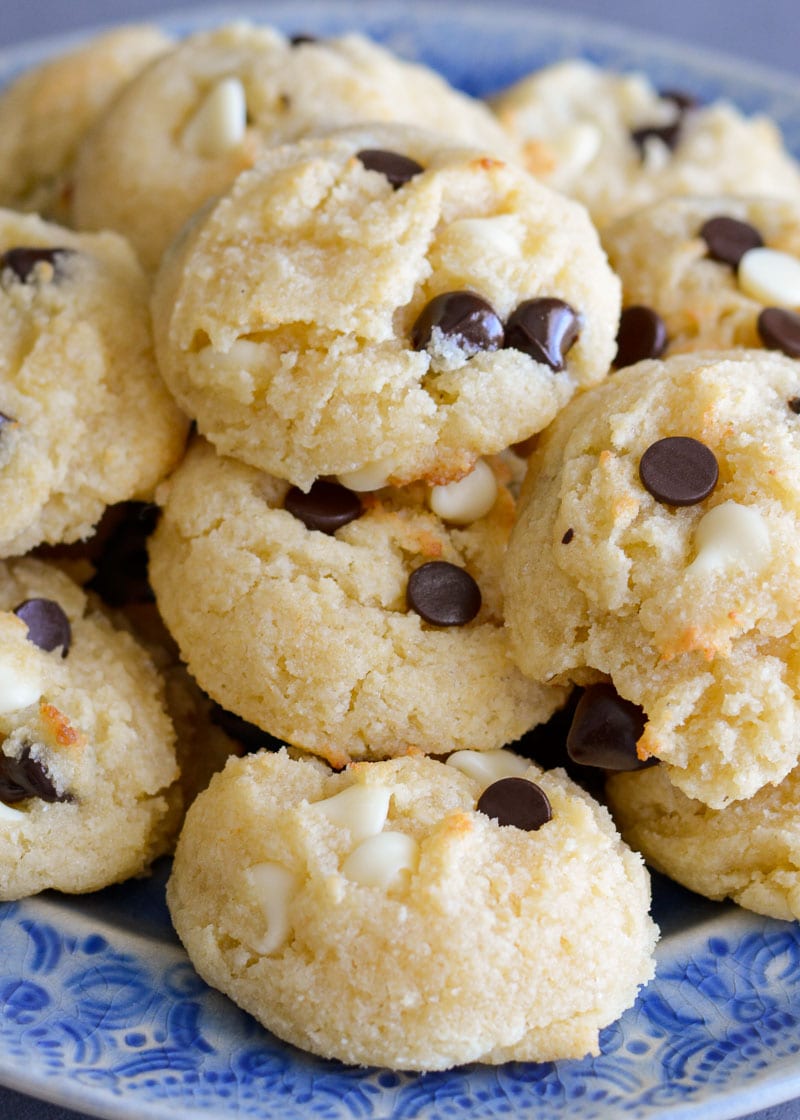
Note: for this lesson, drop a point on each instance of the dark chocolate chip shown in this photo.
(668, 134)
(299, 40)
(121, 568)
(466, 318)
(544, 328)
(794, 405)
(546, 745)
(779, 329)
(443, 594)
(642, 334)
(517, 802)
(25, 777)
(252, 738)
(605, 730)
(570, 533)
(4, 419)
(48, 625)
(728, 239)
(22, 261)
(326, 507)
(396, 168)
(684, 102)
(679, 470)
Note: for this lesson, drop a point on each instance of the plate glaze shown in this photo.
(100, 1010)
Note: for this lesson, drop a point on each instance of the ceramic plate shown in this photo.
(101, 1010)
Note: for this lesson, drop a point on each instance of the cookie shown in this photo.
(86, 419)
(88, 792)
(656, 545)
(616, 143)
(716, 271)
(380, 301)
(112, 567)
(749, 851)
(182, 132)
(352, 626)
(46, 112)
(394, 914)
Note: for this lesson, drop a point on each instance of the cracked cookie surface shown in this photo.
(88, 792)
(616, 143)
(290, 318)
(706, 303)
(749, 851)
(47, 111)
(689, 608)
(211, 107)
(378, 917)
(86, 419)
(309, 635)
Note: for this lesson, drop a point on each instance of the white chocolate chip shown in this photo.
(272, 886)
(488, 766)
(731, 534)
(19, 687)
(465, 501)
(219, 124)
(771, 277)
(576, 147)
(381, 860)
(243, 354)
(371, 477)
(362, 809)
(8, 813)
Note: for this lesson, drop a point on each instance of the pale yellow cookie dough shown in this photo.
(574, 121)
(749, 851)
(284, 317)
(690, 610)
(664, 263)
(375, 916)
(46, 112)
(87, 420)
(183, 131)
(308, 635)
(94, 722)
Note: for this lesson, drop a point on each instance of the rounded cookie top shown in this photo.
(749, 851)
(333, 313)
(86, 419)
(46, 112)
(349, 625)
(616, 143)
(717, 271)
(87, 765)
(657, 544)
(183, 131)
(380, 916)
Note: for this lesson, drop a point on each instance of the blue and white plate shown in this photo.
(101, 1011)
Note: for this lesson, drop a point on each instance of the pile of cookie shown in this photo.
(339, 463)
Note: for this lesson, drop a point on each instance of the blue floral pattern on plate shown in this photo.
(99, 1007)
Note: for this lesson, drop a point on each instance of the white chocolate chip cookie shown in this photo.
(85, 417)
(87, 764)
(306, 320)
(183, 131)
(657, 544)
(693, 262)
(615, 143)
(748, 851)
(378, 916)
(46, 112)
(320, 627)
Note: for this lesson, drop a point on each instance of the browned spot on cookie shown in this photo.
(59, 727)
